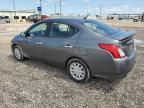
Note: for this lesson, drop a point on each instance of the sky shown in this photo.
(78, 6)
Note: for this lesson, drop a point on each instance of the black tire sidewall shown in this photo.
(18, 47)
(87, 72)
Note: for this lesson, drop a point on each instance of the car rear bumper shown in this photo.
(122, 67)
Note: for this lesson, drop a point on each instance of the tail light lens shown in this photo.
(115, 50)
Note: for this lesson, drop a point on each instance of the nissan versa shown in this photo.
(85, 47)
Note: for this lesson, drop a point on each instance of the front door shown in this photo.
(33, 42)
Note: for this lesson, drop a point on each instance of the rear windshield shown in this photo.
(100, 27)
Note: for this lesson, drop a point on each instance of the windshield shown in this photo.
(100, 27)
(1, 17)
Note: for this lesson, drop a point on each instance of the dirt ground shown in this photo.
(31, 84)
(125, 23)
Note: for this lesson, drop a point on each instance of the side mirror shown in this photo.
(22, 34)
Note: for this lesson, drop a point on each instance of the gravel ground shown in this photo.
(32, 84)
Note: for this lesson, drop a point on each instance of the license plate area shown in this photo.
(131, 46)
(128, 47)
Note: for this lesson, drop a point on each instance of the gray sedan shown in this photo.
(84, 47)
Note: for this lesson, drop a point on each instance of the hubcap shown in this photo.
(77, 71)
(17, 53)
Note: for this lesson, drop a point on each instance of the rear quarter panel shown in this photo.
(98, 60)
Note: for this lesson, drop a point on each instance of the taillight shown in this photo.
(115, 50)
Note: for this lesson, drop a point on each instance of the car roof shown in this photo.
(73, 21)
(70, 20)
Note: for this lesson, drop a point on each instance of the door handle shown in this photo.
(39, 43)
(68, 46)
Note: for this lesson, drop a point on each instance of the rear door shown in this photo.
(61, 42)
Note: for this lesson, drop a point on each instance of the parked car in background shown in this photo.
(136, 19)
(139, 18)
(4, 20)
(36, 18)
(84, 47)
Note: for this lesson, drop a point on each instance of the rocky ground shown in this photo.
(32, 84)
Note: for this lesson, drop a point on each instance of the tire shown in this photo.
(135, 20)
(76, 65)
(18, 53)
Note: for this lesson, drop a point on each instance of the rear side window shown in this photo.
(63, 30)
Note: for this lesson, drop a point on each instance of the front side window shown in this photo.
(38, 30)
(63, 30)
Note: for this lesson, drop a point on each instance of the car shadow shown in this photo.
(96, 83)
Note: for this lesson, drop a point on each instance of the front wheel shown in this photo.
(78, 70)
(18, 53)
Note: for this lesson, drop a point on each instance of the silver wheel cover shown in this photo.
(77, 71)
(17, 53)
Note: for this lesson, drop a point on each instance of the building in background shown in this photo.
(20, 15)
(123, 16)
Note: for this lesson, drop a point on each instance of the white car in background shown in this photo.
(4, 20)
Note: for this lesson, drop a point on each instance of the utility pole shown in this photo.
(100, 10)
(14, 9)
(87, 10)
(60, 7)
(55, 9)
(142, 17)
(41, 7)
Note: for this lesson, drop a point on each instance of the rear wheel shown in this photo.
(18, 53)
(78, 70)
(135, 20)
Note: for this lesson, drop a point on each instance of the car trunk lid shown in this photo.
(126, 41)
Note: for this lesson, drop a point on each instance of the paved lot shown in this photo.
(31, 84)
